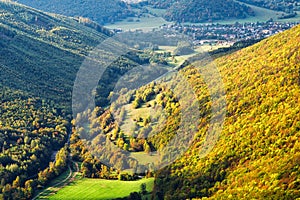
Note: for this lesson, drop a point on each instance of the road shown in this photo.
(54, 188)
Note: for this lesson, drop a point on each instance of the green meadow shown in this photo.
(101, 189)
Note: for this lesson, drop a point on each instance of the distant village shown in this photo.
(229, 33)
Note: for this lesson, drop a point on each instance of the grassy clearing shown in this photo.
(132, 114)
(156, 11)
(181, 59)
(145, 23)
(145, 158)
(101, 189)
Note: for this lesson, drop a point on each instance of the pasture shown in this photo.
(86, 188)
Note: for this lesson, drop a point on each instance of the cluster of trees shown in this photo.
(30, 132)
(257, 153)
(97, 129)
(150, 40)
(24, 188)
(161, 4)
(183, 48)
(92, 165)
(32, 129)
(153, 96)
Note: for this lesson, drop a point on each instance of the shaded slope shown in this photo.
(98, 10)
(257, 155)
(41, 53)
(39, 57)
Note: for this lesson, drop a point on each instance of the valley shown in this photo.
(194, 102)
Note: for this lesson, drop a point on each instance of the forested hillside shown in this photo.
(201, 10)
(101, 11)
(257, 155)
(31, 130)
(285, 6)
(40, 55)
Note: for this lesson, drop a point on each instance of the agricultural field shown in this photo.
(101, 189)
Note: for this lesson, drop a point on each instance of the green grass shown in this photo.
(144, 158)
(53, 187)
(180, 59)
(144, 23)
(135, 113)
(156, 11)
(101, 189)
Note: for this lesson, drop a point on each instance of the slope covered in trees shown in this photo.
(257, 154)
(31, 130)
(40, 55)
(39, 58)
(285, 6)
(101, 11)
(201, 10)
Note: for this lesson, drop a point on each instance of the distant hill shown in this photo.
(101, 11)
(284, 6)
(201, 10)
(257, 154)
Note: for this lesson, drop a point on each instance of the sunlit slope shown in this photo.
(257, 155)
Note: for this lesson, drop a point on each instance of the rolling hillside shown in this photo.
(40, 55)
(100, 11)
(257, 154)
(201, 11)
(256, 157)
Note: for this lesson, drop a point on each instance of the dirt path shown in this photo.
(54, 188)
